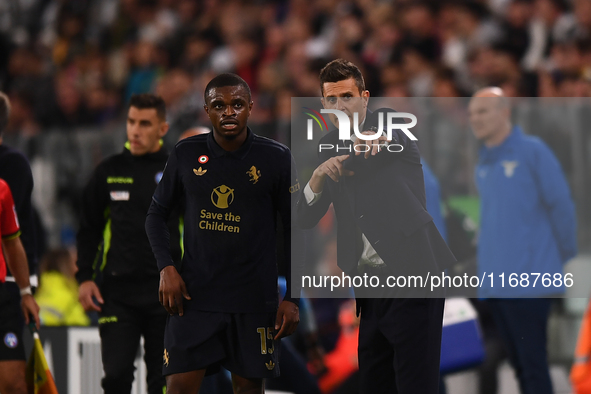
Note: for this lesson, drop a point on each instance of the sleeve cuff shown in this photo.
(164, 265)
(311, 197)
(294, 300)
(17, 234)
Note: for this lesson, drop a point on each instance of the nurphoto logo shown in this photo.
(386, 123)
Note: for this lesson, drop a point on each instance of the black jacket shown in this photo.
(385, 199)
(115, 201)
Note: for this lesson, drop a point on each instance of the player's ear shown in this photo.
(206, 108)
(323, 102)
(365, 98)
(164, 126)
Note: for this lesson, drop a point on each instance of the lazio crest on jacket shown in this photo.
(528, 223)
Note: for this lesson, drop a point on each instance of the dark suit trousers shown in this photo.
(523, 326)
(400, 345)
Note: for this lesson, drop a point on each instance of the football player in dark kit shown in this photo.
(114, 207)
(223, 300)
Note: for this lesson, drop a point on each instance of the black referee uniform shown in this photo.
(112, 244)
(229, 265)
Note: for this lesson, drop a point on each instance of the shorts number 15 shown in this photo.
(269, 335)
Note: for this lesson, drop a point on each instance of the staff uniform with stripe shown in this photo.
(113, 250)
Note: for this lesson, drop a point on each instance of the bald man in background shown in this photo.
(528, 226)
(194, 131)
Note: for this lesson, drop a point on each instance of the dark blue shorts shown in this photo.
(11, 325)
(240, 342)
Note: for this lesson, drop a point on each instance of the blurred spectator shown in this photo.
(22, 122)
(111, 48)
(70, 109)
(342, 361)
(143, 71)
(70, 34)
(57, 295)
(582, 11)
(184, 103)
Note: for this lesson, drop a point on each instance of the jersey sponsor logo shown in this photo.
(108, 319)
(270, 365)
(158, 177)
(509, 167)
(217, 221)
(199, 172)
(166, 358)
(120, 195)
(203, 159)
(10, 340)
(222, 196)
(254, 174)
(120, 179)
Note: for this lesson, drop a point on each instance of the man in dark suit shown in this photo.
(383, 230)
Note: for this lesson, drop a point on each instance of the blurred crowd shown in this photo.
(74, 64)
(70, 64)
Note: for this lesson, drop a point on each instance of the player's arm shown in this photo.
(333, 168)
(288, 314)
(93, 218)
(314, 198)
(556, 197)
(16, 259)
(172, 288)
(20, 180)
(14, 253)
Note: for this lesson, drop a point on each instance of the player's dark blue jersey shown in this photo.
(231, 201)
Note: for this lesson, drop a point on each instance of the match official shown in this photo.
(114, 207)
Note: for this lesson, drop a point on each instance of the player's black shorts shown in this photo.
(11, 328)
(240, 342)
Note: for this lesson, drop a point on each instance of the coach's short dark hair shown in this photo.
(223, 80)
(4, 111)
(148, 101)
(340, 70)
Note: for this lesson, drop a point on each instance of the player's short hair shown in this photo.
(340, 70)
(56, 260)
(223, 80)
(149, 101)
(4, 111)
